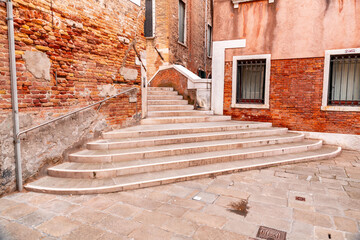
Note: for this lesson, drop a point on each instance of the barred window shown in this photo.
(344, 80)
(250, 83)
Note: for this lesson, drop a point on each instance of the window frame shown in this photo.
(185, 16)
(266, 104)
(326, 82)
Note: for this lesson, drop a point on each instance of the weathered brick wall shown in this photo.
(69, 54)
(295, 99)
(192, 54)
(161, 40)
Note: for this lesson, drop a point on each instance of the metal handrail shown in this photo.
(71, 113)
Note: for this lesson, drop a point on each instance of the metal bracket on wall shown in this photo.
(158, 52)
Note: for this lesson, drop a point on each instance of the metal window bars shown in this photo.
(251, 81)
(344, 80)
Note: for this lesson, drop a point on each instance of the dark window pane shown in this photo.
(181, 21)
(148, 19)
(250, 81)
(344, 80)
(209, 38)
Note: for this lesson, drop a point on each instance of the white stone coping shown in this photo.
(194, 81)
(137, 2)
(324, 105)
(218, 71)
(346, 141)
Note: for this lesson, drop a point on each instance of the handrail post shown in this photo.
(14, 95)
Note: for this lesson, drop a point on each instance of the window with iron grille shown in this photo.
(344, 80)
(250, 84)
(181, 21)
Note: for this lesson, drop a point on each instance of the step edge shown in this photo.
(213, 145)
(170, 162)
(121, 186)
(207, 135)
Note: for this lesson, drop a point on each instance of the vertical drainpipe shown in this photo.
(14, 96)
(206, 46)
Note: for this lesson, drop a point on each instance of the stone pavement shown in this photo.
(317, 200)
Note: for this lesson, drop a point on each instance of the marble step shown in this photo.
(160, 89)
(178, 113)
(161, 93)
(167, 102)
(169, 107)
(165, 97)
(106, 144)
(184, 128)
(184, 119)
(56, 185)
(118, 155)
(106, 170)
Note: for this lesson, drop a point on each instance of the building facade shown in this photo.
(179, 32)
(293, 63)
(69, 54)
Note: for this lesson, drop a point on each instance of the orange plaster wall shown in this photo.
(288, 28)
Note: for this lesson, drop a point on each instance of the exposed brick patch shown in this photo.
(86, 42)
(295, 99)
(86, 47)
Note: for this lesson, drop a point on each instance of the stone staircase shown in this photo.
(177, 143)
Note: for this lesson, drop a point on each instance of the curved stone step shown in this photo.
(102, 156)
(106, 170)
(167, 102)
(185, 119)
(185, 128)
(94, 186)
(169, 107)
(179, 113)
(106, 144)
(161, 92)
(165, 97)
(160, 89)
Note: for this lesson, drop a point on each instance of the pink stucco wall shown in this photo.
(288, 28)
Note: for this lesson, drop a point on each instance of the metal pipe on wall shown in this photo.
(14, 96)
(206, 29)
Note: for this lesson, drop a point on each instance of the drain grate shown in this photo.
(270, 234)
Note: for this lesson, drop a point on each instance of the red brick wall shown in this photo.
(86, 42)
(192, 53)
(295, 99)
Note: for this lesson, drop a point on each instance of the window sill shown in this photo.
(255, 106)
(340, 109)
(182, 44)
(150, 38)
